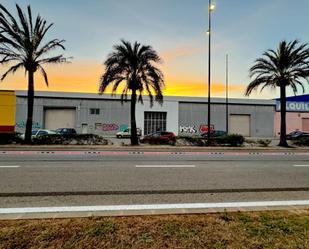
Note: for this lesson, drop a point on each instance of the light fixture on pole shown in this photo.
(227, 92)
(211, 7)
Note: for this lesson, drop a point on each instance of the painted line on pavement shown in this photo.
(121, 209)
(301, 165)
(10, 166)
(165, 166)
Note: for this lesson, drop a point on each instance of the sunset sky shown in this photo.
(177, 31)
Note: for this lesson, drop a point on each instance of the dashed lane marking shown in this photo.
(165, 166)
(10, 166)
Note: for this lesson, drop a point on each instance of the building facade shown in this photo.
(7, 111)
(106, 115)
(297, 115)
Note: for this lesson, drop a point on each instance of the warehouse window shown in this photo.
(98, 126)
(94, 111)
(154, 121)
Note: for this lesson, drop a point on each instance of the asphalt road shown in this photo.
(124, 178)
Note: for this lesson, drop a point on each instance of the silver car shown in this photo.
(127, 133)
(39, 132)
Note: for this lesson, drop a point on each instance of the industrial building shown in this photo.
(297, 114)
(105, 115)
(7, 111)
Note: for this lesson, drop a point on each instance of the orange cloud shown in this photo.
(180, 52)
(200, 89)
(83, 76)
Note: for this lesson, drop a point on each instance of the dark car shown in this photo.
(66, 131)
(159, 137)
(297, 134)
(216, 133)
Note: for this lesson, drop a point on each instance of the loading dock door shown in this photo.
(59, 118)
(305, 124)
(240, 124)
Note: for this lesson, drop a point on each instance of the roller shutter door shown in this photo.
(59, 118)
(305, 124)
(240, 124)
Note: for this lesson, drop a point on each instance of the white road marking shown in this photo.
(10, 166)
(300, 165)
(165, 166)
(181, 206)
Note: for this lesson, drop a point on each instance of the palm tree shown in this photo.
(134, 65)
(21, 43)
(288, 66)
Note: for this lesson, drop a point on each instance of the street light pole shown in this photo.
(227, 92)
(210, 9)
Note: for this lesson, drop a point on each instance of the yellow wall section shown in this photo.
(7, 108)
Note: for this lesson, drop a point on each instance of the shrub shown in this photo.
(230, 140)
(304, 141)
(10, 138)
(158, 141)
(196, 141)
(264, 142)
(250, 141)
(72, 139)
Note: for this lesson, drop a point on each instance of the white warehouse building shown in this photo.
(106, 115)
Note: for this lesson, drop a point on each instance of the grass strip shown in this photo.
(269, 229)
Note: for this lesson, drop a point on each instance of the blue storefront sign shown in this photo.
(292, 106)
(295, 103)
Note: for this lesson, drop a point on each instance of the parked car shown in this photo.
(127, 133)
(215, 133)
(37, 133)
(297, 134)
(160, 136)
(66, 131)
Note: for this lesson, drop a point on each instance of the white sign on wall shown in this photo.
(292, 106)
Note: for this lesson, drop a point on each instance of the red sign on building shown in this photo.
(204, 128)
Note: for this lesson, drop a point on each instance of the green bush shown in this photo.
(72, 139)
(234, 140)
(196, 141)
(10, 138)
(264, 142)
(227, 140)
(157, 141)
(304, 141)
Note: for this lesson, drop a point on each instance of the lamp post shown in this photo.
(227, 92)
(211, 7)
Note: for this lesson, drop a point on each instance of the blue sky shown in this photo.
(177, 30)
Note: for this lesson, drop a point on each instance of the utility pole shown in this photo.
(227, 92)
(211, 7)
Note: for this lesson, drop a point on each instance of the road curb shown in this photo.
(159, 209)
(109, 153)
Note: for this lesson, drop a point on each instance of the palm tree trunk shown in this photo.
(30, 108)
(134, 138)
(283, 141)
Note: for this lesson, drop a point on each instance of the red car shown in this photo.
(159, 137)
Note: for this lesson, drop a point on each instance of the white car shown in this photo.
(40, 132)
(127, 133)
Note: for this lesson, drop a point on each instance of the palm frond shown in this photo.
(135, 65)
(43, 72)
(21, 41)
(12, 69)
(287, 66)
